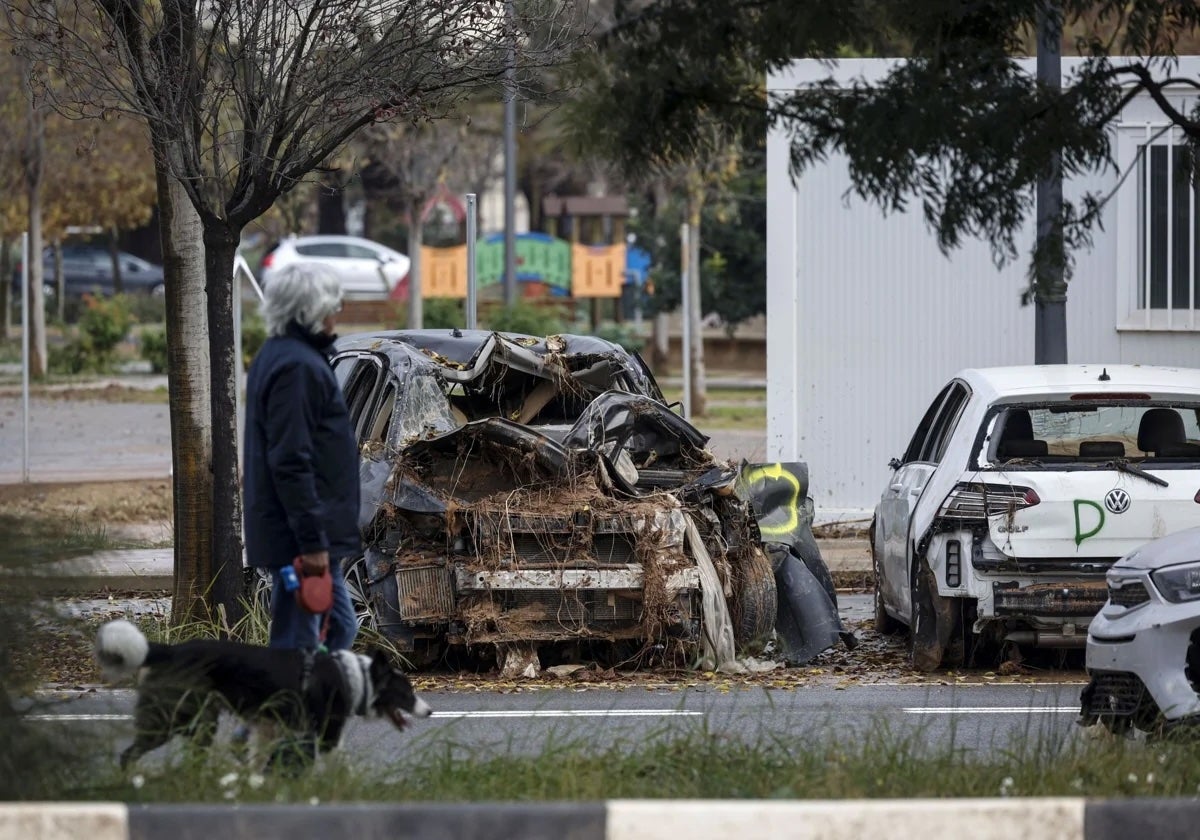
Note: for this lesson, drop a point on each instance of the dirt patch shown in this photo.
(95, 503)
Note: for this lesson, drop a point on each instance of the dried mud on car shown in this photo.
(537, 497)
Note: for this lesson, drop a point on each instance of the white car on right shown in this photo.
(364, 267)
(1020, 488)
(1143, 649)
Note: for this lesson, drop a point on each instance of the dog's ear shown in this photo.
(381, 665)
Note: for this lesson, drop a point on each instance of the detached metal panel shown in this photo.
(867, 319)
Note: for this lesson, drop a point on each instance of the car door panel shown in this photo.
(896, 509)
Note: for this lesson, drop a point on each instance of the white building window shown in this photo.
(1165, 268)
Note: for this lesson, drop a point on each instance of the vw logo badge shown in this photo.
(1117, 500)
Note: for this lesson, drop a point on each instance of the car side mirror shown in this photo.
(894, 464)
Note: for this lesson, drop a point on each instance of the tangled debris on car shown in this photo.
(537, 493)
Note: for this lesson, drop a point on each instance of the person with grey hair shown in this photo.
(301, 457)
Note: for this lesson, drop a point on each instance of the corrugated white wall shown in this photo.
(867, 319)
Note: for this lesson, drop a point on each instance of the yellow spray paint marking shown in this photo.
(778, 472)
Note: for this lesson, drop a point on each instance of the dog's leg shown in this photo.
(154, 722)
(293, 755)
(331, 735)
(203, 726)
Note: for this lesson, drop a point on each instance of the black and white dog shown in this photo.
(184, 688)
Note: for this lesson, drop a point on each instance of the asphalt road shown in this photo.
(974, 717)
(98, 440)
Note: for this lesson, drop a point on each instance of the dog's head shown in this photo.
(393, 693)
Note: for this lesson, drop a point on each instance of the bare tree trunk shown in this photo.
(118, 282)
(60, 283)
(6, 286)
(33, 162)
(416, 303)
(188, 393)
(220, 247)
(695, 306)
(331, 207)
(38, 355)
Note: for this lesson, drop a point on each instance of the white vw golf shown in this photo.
(1020, 488)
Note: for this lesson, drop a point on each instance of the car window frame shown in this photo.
(949, 414)
(359, 395)
(916, 444)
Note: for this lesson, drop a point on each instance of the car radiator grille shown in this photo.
(575, 609)
(613, 548)
(1129, 595)
(425, 593)
(530, 541)
(1115, 694)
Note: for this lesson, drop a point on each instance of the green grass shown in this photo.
(30, 540)
(729, 408)
(736, 395)
(701, 763)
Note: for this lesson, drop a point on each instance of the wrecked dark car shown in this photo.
(530, 496)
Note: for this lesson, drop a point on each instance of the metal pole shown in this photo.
(25, 357)
(239, 372)
(1050, 290)
(685, 304)
(472, 210)
(510, 164)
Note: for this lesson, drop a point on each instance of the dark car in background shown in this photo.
(89, 269)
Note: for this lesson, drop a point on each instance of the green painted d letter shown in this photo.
(1079, 535)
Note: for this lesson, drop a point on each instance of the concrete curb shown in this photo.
(980, 819)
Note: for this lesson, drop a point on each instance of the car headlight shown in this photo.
(1178, 584)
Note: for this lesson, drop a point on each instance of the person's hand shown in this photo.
(314, 563)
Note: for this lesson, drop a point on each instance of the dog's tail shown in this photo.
(121, 649)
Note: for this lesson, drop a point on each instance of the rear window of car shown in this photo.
(1081, 433)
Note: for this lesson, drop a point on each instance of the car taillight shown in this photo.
(979, 501)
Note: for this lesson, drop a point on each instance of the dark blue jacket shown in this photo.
(301, 457)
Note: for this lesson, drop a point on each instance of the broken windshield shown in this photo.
(1093, 434)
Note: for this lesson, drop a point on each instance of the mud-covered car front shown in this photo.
(521, 492)
(1143, 648)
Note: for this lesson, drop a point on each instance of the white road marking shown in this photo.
(500, 713)
(990, 710)
(568, 713)
(78, 717)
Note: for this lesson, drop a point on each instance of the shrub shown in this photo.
(103, 324)
(106, 321)
(526, 318)
(147, 309)
(254, 335)
(436, 314)
(154, 349)
(624, 334)
(443, 314)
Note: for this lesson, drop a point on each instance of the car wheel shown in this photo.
(756, 601)
(924, 652)
(358, 585)
(158, 290)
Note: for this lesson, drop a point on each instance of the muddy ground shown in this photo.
(122, 503)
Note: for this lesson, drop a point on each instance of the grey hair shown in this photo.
(306, 293)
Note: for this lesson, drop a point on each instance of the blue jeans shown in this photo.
(292, 627)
